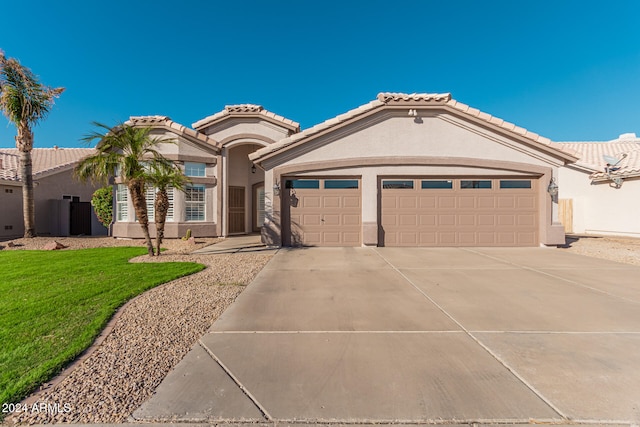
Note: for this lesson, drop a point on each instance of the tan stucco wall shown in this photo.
(599, 208)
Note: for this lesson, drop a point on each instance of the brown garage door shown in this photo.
(323, 212)
(459, 212)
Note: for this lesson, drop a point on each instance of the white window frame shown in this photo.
(150, 196)
(199, 205)
(122, 203)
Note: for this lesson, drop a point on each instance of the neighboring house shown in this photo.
(601, 191)
(62, 204)
(402, 170)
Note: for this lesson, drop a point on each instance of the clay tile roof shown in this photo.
(240, 110)
(45, 160)
(166, 123)
(418, 100)
(592, 156)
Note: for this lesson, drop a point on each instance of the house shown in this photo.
(401, 170)
(601, 191)
(62, 204)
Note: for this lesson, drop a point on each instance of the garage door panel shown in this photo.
(312, 219)
(466, 202)
(508, 202)
(333, 219)
(311, 201)
(486, 202)
(467, 219)
(351, 220)
(486, 220)
(408, 220)
(456, 216)
(428, 220)
(351, 202)
(408, 238)
(331, 202)
(407, 202)
(446, 219)
(428, 202)
(527, 202)
(446, 202)
(526, 220)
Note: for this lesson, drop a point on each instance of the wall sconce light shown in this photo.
(253, 168)
(276, 189)
(412, 113)
(553, 187)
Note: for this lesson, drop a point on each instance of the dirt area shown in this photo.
(173, 245)
(619, 249)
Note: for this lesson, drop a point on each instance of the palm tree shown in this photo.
(128, 151)
(24, 101)
(162, 176)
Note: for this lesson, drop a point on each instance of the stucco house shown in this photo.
(62, 204)
(601, 191)
(401, 170)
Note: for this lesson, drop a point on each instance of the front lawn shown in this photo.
(54, 304)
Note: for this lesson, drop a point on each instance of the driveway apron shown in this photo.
(415, 335)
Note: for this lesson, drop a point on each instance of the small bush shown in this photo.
(102, 202)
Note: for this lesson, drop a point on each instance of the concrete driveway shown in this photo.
(415, 335)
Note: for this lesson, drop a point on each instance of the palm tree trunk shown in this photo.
(162, 207)
(137, 191)
(24, 143)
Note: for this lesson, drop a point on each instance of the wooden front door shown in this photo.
(236, 210)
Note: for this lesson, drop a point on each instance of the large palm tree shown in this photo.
(162, 176)
(25, 101)
(126, 151)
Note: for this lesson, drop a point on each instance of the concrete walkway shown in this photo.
(396, 335)
(237, 244)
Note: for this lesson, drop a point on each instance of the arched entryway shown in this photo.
(244, 188)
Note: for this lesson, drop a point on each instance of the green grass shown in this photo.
(54, 304)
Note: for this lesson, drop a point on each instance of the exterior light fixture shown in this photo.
(553, 187)
(276, 189)
(412, 113)
(253, 168)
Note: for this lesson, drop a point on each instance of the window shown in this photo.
(340, 183)
(122, 197)
(74, 199)
(150, 196)
(151, 203)
(195, 202)
(437, 184)
(485, 183)
(515, 183)
(194, 169)
(303, 183)
(394, 184)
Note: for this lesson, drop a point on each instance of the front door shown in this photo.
(236, 210)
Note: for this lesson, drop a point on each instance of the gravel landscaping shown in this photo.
(153, 332)
(148, 337)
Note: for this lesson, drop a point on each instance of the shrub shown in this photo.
(102, 202)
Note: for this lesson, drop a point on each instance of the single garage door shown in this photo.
(323, 212)
(459, 212)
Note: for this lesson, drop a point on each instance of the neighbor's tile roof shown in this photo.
(44, 160)
(592, 156)
(412, 100)
(245, 110)
(177, 128)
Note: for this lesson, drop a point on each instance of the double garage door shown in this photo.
(414, 212)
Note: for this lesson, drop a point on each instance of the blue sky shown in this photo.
(568, 70)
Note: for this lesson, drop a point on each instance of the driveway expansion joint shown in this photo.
(477, 340)
(247, 393)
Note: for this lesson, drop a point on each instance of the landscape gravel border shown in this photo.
(147, 337)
